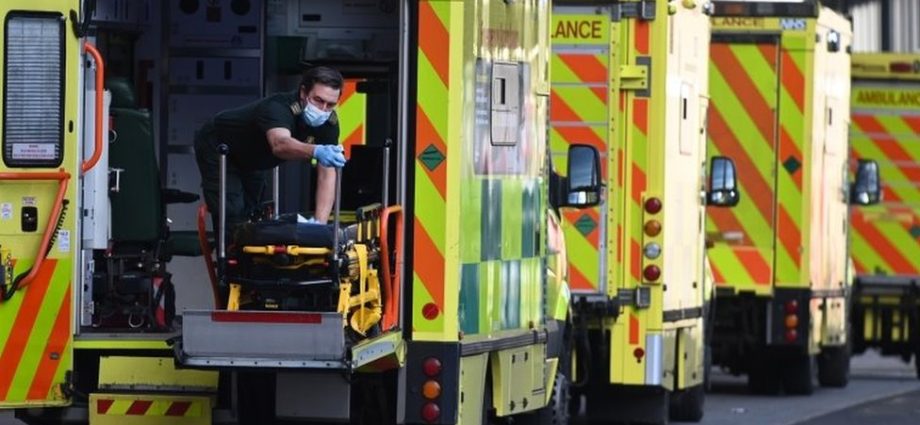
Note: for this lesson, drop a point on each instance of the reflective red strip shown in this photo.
(32, 300)
(54, 347)
(254, 317)
(643, 30)
(635, 259)
(633, 329)
(434, 41)
(139, 407)
(587, 67)
(178, 408)
(638, 183)
(579, 281)
(103, 406)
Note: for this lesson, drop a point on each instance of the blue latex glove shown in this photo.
(330, 155)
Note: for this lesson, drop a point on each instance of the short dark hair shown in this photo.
(322, 75)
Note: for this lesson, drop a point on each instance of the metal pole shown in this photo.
(337, 218)
(386, 173)
(276, 192)
(222, 149)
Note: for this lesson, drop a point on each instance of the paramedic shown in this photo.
(298, 125)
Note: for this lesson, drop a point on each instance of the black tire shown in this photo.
(687, 405)
(763, 376)
(255, 398)
(917, 363)
(834, 366)
(707, 368)
(798, 375)
(487, 411)
(557, 411)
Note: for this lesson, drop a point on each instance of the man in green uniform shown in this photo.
(299, 125)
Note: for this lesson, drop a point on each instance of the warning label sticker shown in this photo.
(34, 151)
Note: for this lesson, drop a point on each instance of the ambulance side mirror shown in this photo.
(723, 185)
(867, 189)
(583, 188)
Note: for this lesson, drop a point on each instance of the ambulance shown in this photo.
(780, 96)
(885, 238)
(442, 298)
(630, 78)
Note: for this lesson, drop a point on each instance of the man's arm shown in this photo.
(286, 147)
(325, 193)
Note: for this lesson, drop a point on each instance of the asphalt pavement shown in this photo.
(881, 391)
(902, 409)
(875, 381)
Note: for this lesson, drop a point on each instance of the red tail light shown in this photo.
(791, 335)
(653, 205)
(432, 367)
(638, 353)
(430, 311)
(792, 307)
(651, 273)
(903, 67)
(431, 412)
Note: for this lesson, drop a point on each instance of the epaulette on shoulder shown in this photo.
(296, 108)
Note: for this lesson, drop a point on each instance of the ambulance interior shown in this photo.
(172, 65)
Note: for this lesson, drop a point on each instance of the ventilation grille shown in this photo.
(33, 91)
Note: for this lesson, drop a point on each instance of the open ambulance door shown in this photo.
(41, 89)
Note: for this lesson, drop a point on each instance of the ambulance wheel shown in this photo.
(707, 368)
(255, 393)
(834, 366)
(487, 412)
(763, 376)
(554, 413)
(798, 375)
(687, 405)
(917, 362)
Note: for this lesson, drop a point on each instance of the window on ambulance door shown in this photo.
(33, 90)
(506, 103)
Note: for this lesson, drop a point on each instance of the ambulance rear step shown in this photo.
(262, 339)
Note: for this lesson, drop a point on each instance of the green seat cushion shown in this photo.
(136, 208)
(184, 243)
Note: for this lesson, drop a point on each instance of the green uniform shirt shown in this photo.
(243, 130)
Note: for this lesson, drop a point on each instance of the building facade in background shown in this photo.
(884, 25)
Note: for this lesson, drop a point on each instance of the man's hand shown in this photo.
(330, 155)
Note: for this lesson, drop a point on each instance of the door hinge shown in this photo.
(634, 77)
(640, 297)
(642, 9)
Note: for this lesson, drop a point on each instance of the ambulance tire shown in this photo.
(763, 377)
(687, 404)
(488, 413)
(557, 411)
(255, 398)
(917, 362)
(798, 375)
(707, 368)
(834, 367)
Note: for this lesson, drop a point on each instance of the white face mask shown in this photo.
(313, 116)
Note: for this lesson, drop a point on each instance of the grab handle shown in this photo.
(100, 106)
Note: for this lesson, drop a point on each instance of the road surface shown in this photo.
(873, 379)
(881, 390)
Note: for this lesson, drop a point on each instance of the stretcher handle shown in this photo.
(206, 253)
(391, 277)
(222, 150)
(100, 106)
(337, 216)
